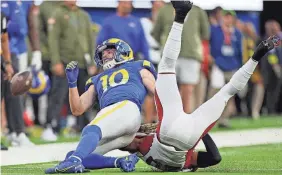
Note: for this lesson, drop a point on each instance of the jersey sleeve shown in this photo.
(149, 66)
(90, 81)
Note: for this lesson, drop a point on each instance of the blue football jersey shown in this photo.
(121, 83)
(17, 16)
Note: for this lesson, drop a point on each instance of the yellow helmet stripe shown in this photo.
(42, 86)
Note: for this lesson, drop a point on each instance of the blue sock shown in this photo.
(97, 161)
(90, 137)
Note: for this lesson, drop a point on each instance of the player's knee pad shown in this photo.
(92, 129)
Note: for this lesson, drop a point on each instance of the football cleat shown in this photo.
(276, 40)
(265, 46)
(69, 154)
(71, 165)
(182, 7)
(127, 164)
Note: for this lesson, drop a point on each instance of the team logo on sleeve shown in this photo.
(146, 63)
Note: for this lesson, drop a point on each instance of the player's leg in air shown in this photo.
(167, 96)
(183, 131)
(194, 126)
(207, 114)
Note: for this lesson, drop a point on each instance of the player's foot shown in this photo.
(127, 164)
(69, 154)
(255, 115)
(23, 140)
(49, 135)
(182, 7)
(12, 137)
(265, 46)
(71, 165)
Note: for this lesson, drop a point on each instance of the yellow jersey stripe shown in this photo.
(96, 120)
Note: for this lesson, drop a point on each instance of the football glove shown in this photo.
(36, 61)
(72, 71)
(148, 128)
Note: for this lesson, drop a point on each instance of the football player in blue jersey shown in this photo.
(121, 89)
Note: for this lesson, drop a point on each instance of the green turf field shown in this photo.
(240, 123)
(262, 159)
(237, 123)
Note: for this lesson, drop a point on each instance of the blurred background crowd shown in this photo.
(44, 37)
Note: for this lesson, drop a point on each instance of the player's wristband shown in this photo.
(72, 84)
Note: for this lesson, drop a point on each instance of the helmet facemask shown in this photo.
(109, 58)
(109, 62)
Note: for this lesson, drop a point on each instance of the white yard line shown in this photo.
(57, 151)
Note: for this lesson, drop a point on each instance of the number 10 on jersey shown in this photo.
(110, 80)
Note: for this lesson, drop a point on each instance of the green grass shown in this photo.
(237, 123)
(35, 134)
(251, 160)
(241, 123)
(61, 139)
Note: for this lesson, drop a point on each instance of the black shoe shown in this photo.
(182, 7)
(265, 46)
(3, 147)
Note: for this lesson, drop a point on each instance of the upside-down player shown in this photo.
(177, 134)
(121, 90)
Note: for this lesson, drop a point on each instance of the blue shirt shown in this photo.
(227, 56)
(128, 29)
(121, 83)
(17, 15)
